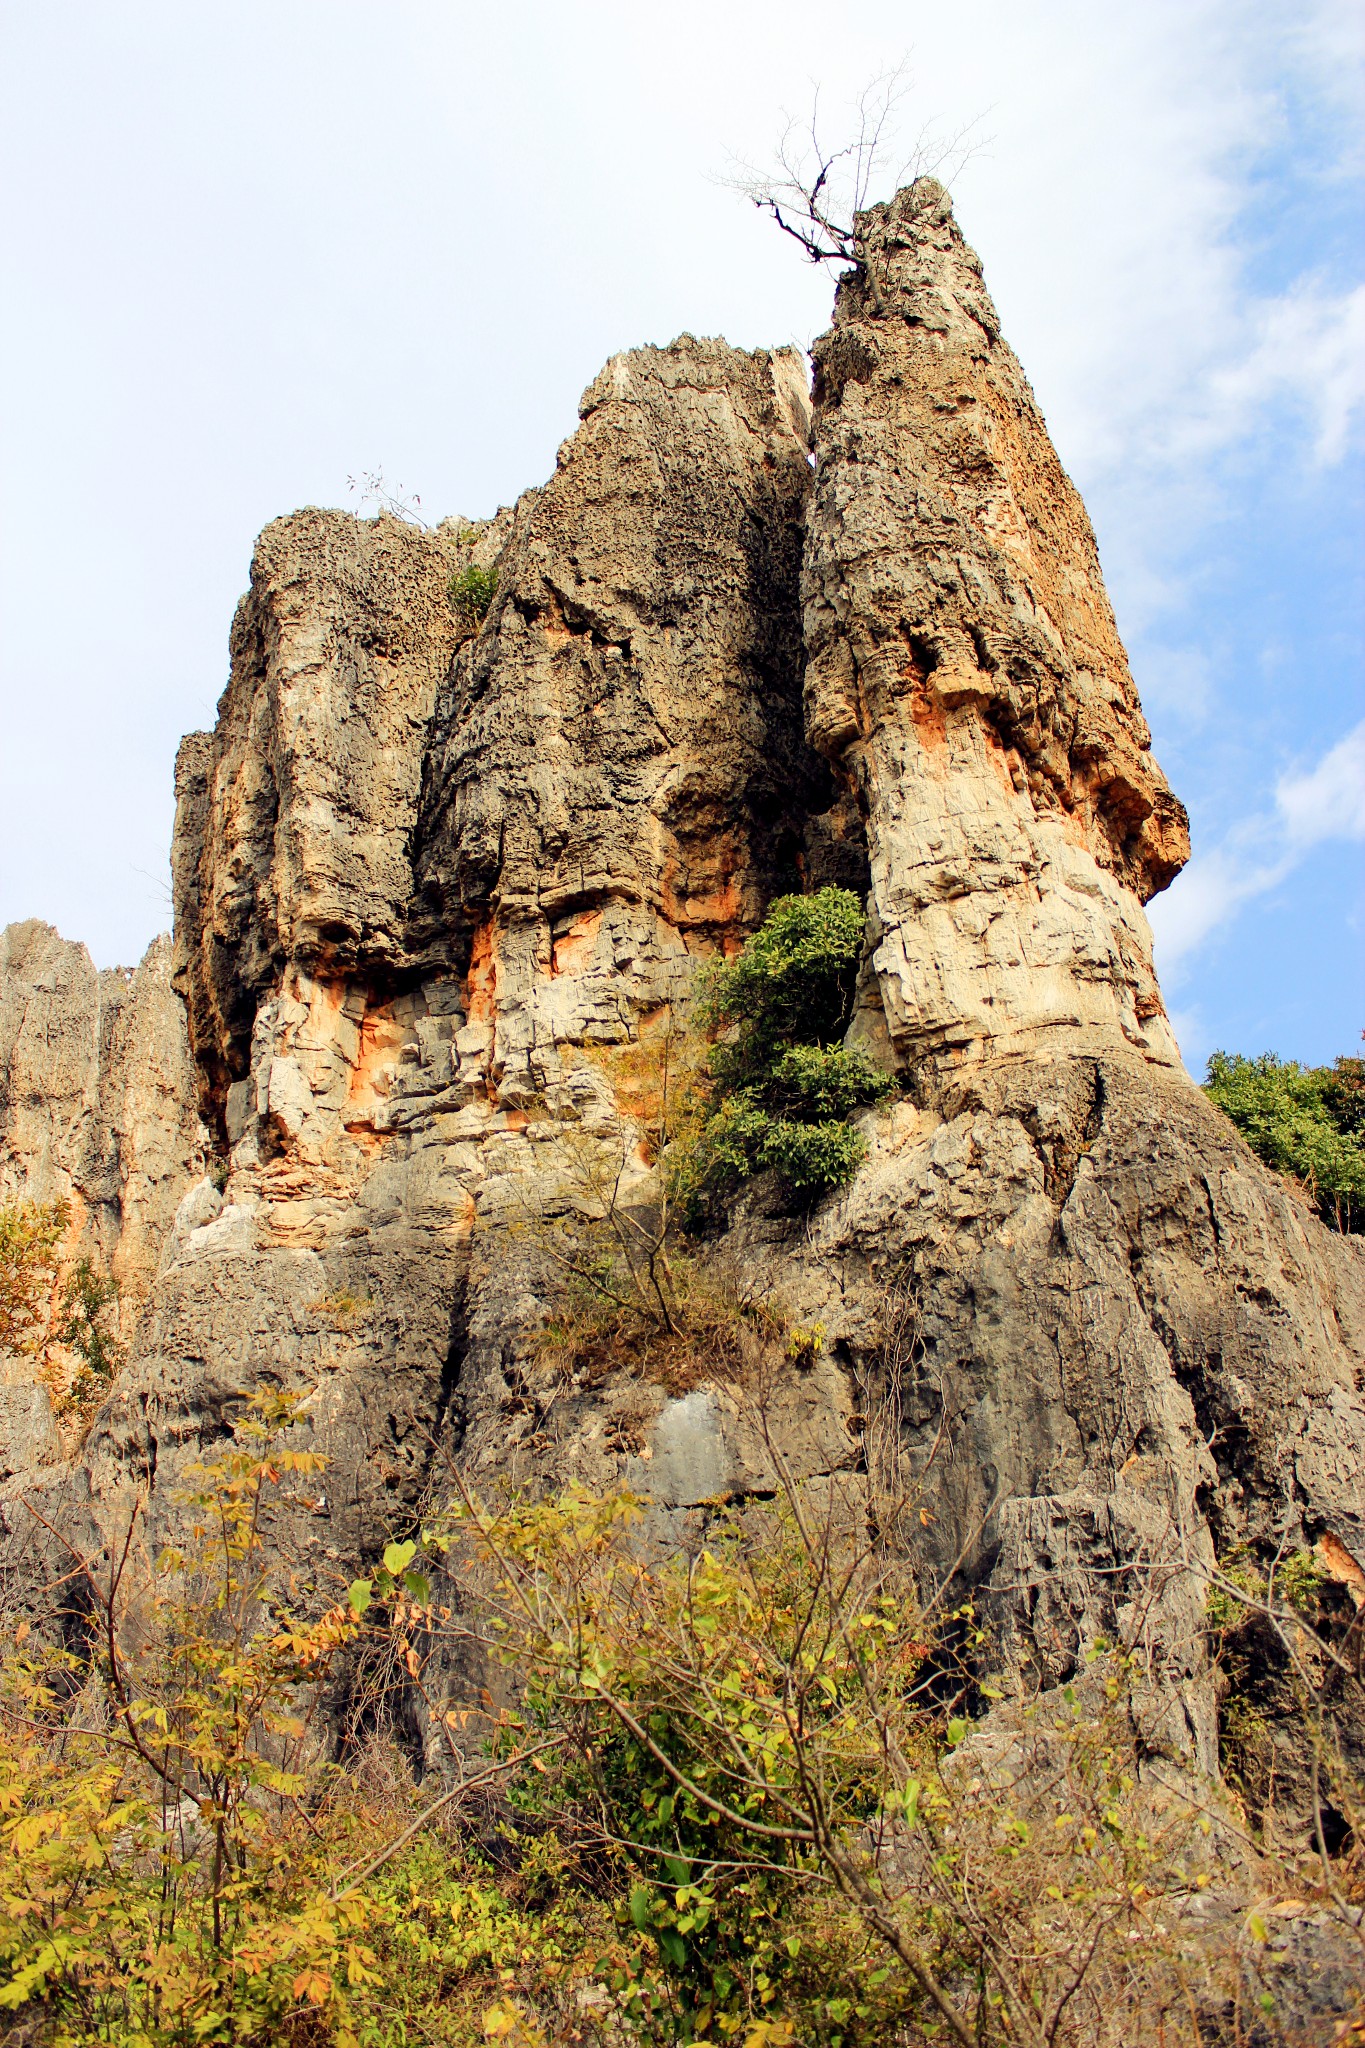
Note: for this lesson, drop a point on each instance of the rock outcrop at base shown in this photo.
(441, 893)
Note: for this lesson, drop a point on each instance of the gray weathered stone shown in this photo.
(96, 1100)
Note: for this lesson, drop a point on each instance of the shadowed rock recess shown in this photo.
(438, 885)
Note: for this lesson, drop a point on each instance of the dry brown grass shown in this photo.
(719, 1341)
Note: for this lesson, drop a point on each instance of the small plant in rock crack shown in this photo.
(87, 1324)
(343, 1310)
(471, 591)
(372, 488)
(784, 1088)
(609, 1224)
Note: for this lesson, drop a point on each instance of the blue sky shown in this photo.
(250, 252)
(1250, 648)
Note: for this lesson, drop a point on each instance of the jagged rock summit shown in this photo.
(965, 673)
(438, 890)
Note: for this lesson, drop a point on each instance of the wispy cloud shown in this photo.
(1312, 807)
(1306, 346)
(1326, 802)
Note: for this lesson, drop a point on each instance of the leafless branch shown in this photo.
(815, 187)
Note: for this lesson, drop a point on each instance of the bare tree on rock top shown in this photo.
(816, 186)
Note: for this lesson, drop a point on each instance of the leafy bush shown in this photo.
(792, 984)
(741, 1801)
(763, 1738)
(159, 1881)
(783, 1089)
(181, 1864)
(684, 1750)
(471, 592)
(29, 1235)
(87, 1326)
(1304, 1121)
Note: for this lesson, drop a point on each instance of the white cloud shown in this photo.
(1308, 346)
(1177, 684)
(1328, 802)
(1319, 805)
(1212, 888)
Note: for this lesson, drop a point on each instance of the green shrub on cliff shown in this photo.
(88, 1324)
(784, 1087)
(471, 591)
(1305, 1121)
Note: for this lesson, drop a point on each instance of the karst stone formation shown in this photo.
(436, 887)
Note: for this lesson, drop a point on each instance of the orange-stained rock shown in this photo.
(966, 675)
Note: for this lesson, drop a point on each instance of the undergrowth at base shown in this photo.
(743, 1797)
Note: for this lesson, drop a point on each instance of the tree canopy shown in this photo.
(1304, 1121)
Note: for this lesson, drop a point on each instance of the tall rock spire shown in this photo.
(966, 674)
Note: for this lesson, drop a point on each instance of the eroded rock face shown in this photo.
(966, 675)
(437, 899)
(621, 780)
(97, 1110)
(295, 817)
(1121, 1338)
(439, 892)
(1095, 1340)
(96, 1098)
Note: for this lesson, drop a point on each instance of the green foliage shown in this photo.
(471, 591)
(811, 1158)
(1305, 1121)
(29, 1235)
(815, 1083)
(762, 1731)
(449, 1928)
(783, 1088)
(677, 1678)
(690, 1826)
(1282, 1627)
(159, 1879)
(179, 1862)
(87, 1325)
(792, 984)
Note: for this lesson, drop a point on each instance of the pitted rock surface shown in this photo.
(966, 675)
(295, 816)
(436, 893)
(97, 1109)
(621, 779)
(96, 1099)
